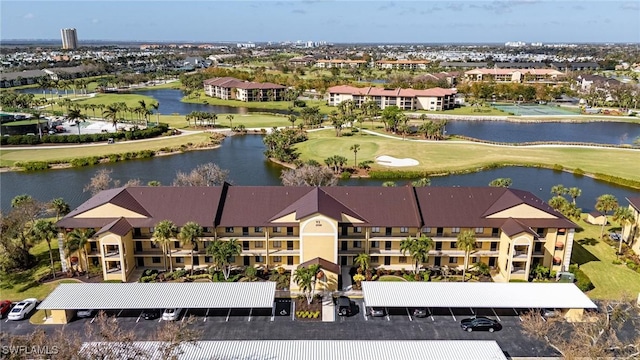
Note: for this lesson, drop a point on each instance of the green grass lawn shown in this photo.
(595, 259)
(201, 98)
(452, 156)
(392, 278)
(107, 99)
(468, 110)
(9, 157)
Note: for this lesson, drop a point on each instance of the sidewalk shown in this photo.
(328, 308)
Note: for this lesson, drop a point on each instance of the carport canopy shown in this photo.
(104, 296)
(475, 295)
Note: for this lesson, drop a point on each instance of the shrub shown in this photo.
(582, 280)
(578, 172)
(33, 165)
(557, 167)
(616, 262)
(345, 175)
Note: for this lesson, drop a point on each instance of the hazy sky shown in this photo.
(335, 21)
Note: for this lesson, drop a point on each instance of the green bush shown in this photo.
(557, 167)
(618, 180)
(33, 165)
(582, 280)
(578, 172)
(345, 175)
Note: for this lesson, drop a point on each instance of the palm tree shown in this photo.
(418, 248)
(363, 260)
(163, 234)
(222, 252)
(305, 278)
(622, 216)
(190, 234)
(78, 239)
(467, 243)
(355, 148)
(45, 230)
(74, 114)
(60, 207)
(156, 106)
(605, 204)
(111, 113)
(559, 190)
(230, 118)
(214, 117)
(389, 184)
(574, 192)
(422, 182)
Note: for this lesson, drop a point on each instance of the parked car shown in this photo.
(549, 313)
(344, 306)
(151, 314)
(420, 312)
(376, 311)
(614, 236)
(22, 309)
(171, 314)
(480, 323)
(5, 306)
(85, 313)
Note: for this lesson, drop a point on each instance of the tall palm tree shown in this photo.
(418, 248)
(622, 216)
(305, 278)
(163, 234)
(111, 113)
(76, 115)
(606, 203)
(78, 239)
(222, 252)
(355, 148)
(363, 260)
(559, 190)
(60, 207)
(190, 233)
(230, 118)
(156, 107)
(574, 192)
(467, 243)
(45, 230)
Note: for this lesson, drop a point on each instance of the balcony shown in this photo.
(520, 255)
(518, 271)
(112, 254)
(253, 252)
(283, 252)
(148, 252)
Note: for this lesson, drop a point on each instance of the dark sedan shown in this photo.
(480, 323)
(151, 314)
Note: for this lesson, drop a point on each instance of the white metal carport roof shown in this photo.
(324, 349)
(161, 295)
(475, 295)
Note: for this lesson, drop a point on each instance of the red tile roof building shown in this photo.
(515, 75)
(289, 226)
(228, 88)
(406, 99)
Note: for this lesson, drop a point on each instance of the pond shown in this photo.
(243, 157)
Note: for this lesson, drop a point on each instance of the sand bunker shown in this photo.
(391, 161)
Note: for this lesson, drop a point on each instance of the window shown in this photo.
(479, 230)
(277, 229)
(402, 259)
(228, 229)
(494, 245)
(455, 230)
(205, 229)
(180, 260)
(258, 229)
(562, 231)
(137, 232)
(155, 260)
(277, 259)
(404, 230)
(537, 247)
(452, 245)
(453, 260)
(289, 230)
(426, 230)
(176, 244)
(245, 231)
(357, 244)
(232, 259)
(154, 245)
(540, 232)
(495, 232)
(152, 230)
(259, 259)
(375, 244)
(374, 259)
(208, 259)
(438, 245)
(375, 230)
(357, 229)
(259, 244)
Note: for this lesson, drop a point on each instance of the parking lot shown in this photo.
(276, 324)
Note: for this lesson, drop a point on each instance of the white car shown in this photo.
(22, 309)
(85, 313)
(171, 314)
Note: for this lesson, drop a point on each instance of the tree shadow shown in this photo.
(580, 255)
(588, 241)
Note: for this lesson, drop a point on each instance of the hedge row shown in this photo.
(84, 138)
(618, 180)
(582, 280)
(87, 161)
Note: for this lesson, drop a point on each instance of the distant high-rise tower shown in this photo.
(69, 38)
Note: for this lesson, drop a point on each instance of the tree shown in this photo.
(363, 260)
(574, 192)
(605, 204)
(623, 216)
(190, 234)
(467, 243)
(59, 207)
(501, 182)
(355, 148)
(305, 278)
(559, 190)
(389, 184)
(422, 182)
(111, 113)
(208, 174)
(308, 175)
(78, 239)
(165, 231)
(230, 118)
(391, 117)
(418, 248)
(101, 181)
(77, 116)
(156, 107)
(222, 252)
(46, 230)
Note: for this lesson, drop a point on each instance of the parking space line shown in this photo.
(387, 311)
(160, 320)
(228, 314)
(273, 312)
(250, 313)
(206, 315)
(185, 315)
(94, 319)
(494, 313)
(120, 313)
(453, 316)
(472, 313)
(409, 315)
(138, 319)
(517, 314)
(431, 314)
(293, 312)
(364, 313)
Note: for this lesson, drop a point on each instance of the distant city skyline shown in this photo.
(333, 21)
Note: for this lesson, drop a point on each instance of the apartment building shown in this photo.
(69, 38)
(402, 64)
(288, 226)
(631, 231)
(229, 88)
(341, 63)
(435, 99)
(514, 75)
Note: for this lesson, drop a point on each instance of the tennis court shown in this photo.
(533, 109)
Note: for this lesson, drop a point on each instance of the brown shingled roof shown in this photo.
(256, 205)
(324, 264)
(317, 201)
(635, 202)
(119, 227)
(512, 227)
